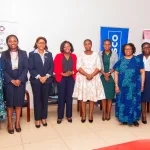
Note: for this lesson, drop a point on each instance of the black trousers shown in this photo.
(40, 98)
(65, 91)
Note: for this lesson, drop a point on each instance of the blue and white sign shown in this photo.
(118, 36)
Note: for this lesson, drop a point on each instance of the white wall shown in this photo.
(74, 20)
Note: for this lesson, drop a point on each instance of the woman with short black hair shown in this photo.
(108, 59)
(41, 70)
(129, 83)
(88, 86)
(145, 57)
(15, 68)
(65, 72)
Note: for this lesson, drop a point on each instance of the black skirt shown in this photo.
(14, 96)
(146, 92)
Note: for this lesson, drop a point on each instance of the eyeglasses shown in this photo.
(41, 43)
(146, 47)
(127, 49)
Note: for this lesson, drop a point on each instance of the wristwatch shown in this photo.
(109, 72)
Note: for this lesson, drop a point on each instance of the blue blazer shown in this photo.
(22, 66)
(36, 66)
(140, 56)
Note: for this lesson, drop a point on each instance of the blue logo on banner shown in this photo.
(118, 36)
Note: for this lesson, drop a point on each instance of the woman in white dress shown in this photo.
(88, 85)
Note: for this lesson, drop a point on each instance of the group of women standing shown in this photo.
(90, 77)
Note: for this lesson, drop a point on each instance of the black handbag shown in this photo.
(54, 90)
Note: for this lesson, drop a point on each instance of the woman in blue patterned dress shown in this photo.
(129, 83)
(2, 107)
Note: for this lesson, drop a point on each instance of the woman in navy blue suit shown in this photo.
(41, 70)
(15, 68)
(145, 57)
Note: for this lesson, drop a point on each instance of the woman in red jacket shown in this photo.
(65, 71)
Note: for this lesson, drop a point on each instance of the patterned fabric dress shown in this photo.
(128, 101)
(2, 107)
(84, 89)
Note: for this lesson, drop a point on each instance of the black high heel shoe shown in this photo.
(44, 124)
(136, 124)
(90, 121)
(17, 129)
(83, 120)
(103, 118)
(37, 126)
(11, 131)
(144, 122)
(108, 117)
(124, 123)
(59, 121)
(69, 120)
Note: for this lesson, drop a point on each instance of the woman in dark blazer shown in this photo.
(15, 68)
(41, 70)
(65, 71)
(145, 57)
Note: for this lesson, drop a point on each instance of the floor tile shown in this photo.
(20, 147)
(13, 148)
(38, 134)
(86, 142)
(72, 129)
(54, 144)
(116, 136)
(7, 140)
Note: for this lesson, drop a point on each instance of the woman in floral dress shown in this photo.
(88, 85)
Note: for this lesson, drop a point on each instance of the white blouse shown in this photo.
(146, 63)
(14, 60)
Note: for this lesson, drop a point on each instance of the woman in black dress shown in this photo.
(15, 68)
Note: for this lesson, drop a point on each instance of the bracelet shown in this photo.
(116, 85)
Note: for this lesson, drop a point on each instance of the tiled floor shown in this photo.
(67, 136)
